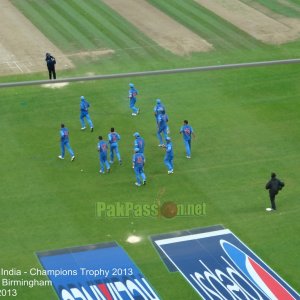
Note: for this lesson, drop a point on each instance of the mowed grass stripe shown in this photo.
(79, 21)
(214, 29)
(45, 23)
(128, 34)
(282, 7)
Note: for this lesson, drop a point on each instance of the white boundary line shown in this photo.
(157, 72)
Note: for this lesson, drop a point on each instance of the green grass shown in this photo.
(246, 122)
(247, 125)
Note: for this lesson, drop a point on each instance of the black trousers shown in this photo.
(52, 72)
(272, 199)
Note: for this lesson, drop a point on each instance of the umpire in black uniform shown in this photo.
(51, 65)
(274, 185)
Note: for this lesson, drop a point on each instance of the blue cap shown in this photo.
(136, 149)
(131, 84)
(168, 138)
(157, 101)
(136, 134)
(82, 97)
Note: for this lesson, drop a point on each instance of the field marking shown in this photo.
(157, 72)
(24, 45)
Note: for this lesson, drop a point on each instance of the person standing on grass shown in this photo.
(102, 149)
(51, 61)
(187, 132)
(162, 127)
(113, 138)
(159, 108)
(138, 162)
(139, 142)
(274, 185)
(132, 99)
(64, 142)
(84, 113)
(169, 157)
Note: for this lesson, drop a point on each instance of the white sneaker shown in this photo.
(269, 209)
(133, 114)
(83, 128)
(160, 145)
(137, 184)
(171, 171)
(60, 157)
(101, 172)
(188, 156)
(72, 158)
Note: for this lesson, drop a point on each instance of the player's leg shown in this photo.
(143, 175)
(89, 120)
(62, 150)
(159, 138)
(187, 148)
(118, 153)
(82, 121)
(70, 150)
(101, 164)
(107, 165)
(111, 154)
(137, 175)
(165, 133)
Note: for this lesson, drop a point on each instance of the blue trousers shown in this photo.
(187, 145)
(88, 118)
(104, 163)
(168, 160)
(139, 174)
(132, 106)
(114, 148)
(158, 134)
(67, 145)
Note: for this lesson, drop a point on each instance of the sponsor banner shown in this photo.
(100, 272)
(170, 266)
(219, 266)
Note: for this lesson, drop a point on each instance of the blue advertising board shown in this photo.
(102, 271)
(219, 266)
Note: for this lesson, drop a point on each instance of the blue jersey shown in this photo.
(64, 135)
(102, 148)
(169, 150)
(132, 93)
(139, 143)
(162, 121)
(187, 131)
(113, 138)
(84, 105)
(138, 160)
(158, 109)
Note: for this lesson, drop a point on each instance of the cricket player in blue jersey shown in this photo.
(84, 113)
(158, 109)
(102, 149)
(113, 138)
(139, 142)
(162, 127)
(168, 160)
(187, 132)
(132, 98)
(138, 161)
(64, 142)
